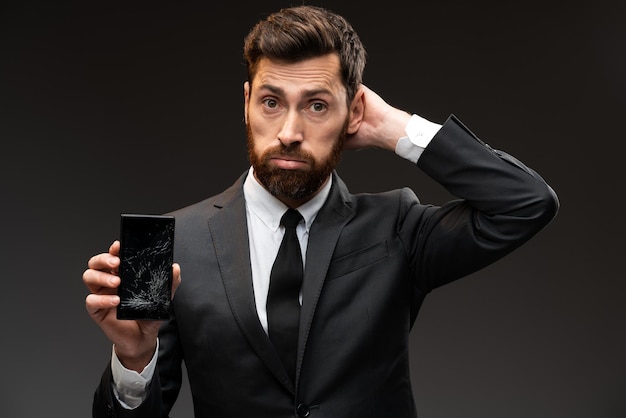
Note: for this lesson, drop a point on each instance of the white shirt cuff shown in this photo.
(419, 133)
(130, 388)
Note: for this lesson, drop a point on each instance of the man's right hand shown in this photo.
(135, 341)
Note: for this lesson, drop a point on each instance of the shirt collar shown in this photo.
(269, 209)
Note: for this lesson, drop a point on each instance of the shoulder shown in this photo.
(396, 197)
(206, 208)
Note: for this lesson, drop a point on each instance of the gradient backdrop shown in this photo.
(110, 107)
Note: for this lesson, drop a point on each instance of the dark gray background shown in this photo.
(110, 107)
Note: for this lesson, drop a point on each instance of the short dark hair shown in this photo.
(297, 33)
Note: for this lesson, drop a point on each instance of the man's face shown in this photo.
(296, 120)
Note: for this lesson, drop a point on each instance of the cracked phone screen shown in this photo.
(146, 257)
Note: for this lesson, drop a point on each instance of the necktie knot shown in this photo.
(291, 218)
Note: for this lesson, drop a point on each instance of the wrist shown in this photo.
(399, 120)
(135, 358)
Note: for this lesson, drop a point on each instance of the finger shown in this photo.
(114, 249)
(104, 262)
(100, 282)
(97, 303)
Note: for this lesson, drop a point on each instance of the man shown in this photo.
(368, 260)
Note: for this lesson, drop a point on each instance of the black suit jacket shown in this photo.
(371, 260)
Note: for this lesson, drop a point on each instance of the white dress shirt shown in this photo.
(263, 213)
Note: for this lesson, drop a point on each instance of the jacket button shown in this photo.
(303, 410)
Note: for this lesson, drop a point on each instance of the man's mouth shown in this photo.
(287, 162)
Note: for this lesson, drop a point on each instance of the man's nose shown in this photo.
(291, 131)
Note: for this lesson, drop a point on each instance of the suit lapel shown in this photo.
(230, 239)
(323, 237)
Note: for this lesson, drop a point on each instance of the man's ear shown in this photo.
(246, 99)
(357, 109)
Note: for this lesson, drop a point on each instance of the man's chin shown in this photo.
(289, 184)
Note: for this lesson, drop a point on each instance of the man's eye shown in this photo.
(318, 107)
(271, 103)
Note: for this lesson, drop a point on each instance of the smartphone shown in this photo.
(146, 257)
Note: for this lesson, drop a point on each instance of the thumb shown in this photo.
(176, 278)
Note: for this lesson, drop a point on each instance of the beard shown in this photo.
(293, 184)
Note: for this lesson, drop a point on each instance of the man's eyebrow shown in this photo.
(273, 89)
(317, 92)
(307, 93)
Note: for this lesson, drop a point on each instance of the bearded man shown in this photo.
(333, 340)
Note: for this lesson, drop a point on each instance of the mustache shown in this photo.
(292, 151)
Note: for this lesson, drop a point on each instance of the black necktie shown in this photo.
(283, 305)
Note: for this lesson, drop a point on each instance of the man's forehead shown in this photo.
(321, 72)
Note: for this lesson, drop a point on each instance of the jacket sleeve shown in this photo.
(501, 204)
(163, 389)
(106, 405)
